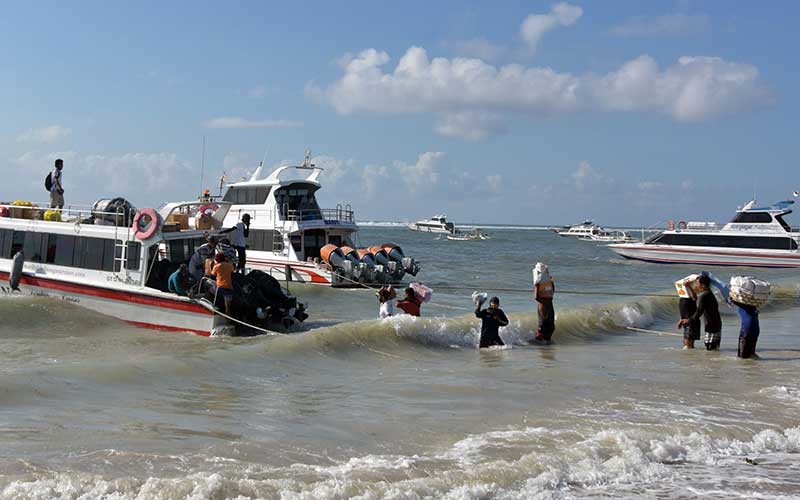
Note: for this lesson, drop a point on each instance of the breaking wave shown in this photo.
(519, 463)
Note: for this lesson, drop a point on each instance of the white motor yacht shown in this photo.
(436, 224)
(756, 237)
(293, 239)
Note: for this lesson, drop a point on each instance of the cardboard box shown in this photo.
(182, 220)
(685, 286)
(205, 222)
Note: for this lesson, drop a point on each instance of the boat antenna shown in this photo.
(203, 164)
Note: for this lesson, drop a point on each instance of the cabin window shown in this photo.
(92, 253)
(752, 218)
(261, 239)
(5, 243)
(335, 239)
(718, 240)
(32, 248)
(296, 242)
(250, 195)
(134, 249)
(65, 249)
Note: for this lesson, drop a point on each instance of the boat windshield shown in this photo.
(752, 218)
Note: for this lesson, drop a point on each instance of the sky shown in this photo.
(629, 113)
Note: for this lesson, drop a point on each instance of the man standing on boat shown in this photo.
(241, 232)
(56, 187)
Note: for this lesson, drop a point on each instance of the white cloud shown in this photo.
(150, 178)
(375, 180)
(423, 175)
(585, 176)
(238, 122)
(471, 125)
(44, 135)
(335, 169)
(460, 90)
(668, 24)
(535, 26)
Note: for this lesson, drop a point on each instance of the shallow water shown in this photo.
(360, 408)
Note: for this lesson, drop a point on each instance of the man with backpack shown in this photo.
(53, 184)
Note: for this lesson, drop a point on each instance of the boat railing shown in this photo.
(70, 213)
(282, 213)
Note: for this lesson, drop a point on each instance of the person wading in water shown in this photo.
(492, 318)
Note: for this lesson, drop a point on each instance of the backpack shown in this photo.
(48, 181)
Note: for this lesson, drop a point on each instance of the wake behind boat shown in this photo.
(755, 237)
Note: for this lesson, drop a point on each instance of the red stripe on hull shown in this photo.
(105, 293)
(654, 248)
(152, 326)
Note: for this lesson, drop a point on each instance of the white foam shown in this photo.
(790, 394)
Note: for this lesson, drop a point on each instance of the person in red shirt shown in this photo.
(410, 303)
(223, 271)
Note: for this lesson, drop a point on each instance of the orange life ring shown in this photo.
(670, 225)
(682, 225)
(146, 223)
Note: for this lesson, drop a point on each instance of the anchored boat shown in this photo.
(756, 237)
(114, 259)
(293, 239)
(436, 224)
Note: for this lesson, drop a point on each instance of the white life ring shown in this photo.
(146, 223)
(670, 225)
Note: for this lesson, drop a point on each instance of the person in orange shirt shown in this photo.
(223, 271)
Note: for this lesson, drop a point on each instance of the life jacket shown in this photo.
(545, 290)
(409, 306)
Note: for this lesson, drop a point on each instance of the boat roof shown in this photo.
(284, 175)
(781, 207)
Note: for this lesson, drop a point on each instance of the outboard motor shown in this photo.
(396, 254)
(376, 272)
(113, 212)
(333, 256)
(382, 258)
(359, 271)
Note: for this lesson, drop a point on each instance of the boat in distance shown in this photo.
(755, 237)
(436, 224)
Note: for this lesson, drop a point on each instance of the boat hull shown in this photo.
(667, 254)
(138, 309)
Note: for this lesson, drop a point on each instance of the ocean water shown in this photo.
(406, 408)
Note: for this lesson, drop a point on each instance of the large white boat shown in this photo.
(436, 224)
(117, 262)
(293, 239)
(756, 237)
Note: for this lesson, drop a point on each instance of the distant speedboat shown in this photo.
(585, 228)
(436, 224)
(468, 236)
(756, 237)
(608, 236)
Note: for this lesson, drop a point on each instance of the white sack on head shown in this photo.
(750, 291)
(423, 292)
(541, 274)
(479, 298)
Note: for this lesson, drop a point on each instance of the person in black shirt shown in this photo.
(492, 318)
(708, 308)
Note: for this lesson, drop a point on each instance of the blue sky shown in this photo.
(534, 113)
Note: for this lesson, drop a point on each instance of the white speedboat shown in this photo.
(116, 260)
(756, 237)
(584, 229)
(608, 236)
(468, 236)
(293, 239)
(436, 224)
